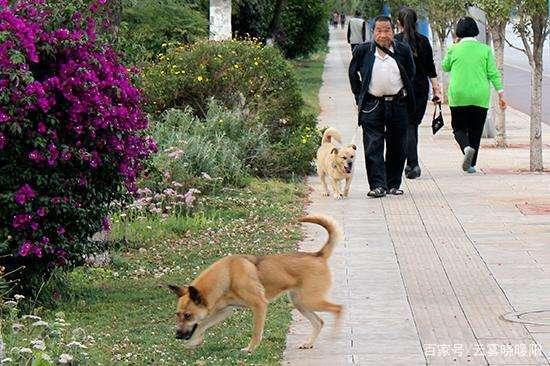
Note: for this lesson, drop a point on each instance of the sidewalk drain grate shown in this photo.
(531, 209)
(536, 317)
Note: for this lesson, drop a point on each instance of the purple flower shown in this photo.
(21, 220)
(34, 226)
(37, 251)
(60, 230)
(25, 248)
(36, 156)
(82, 182)
(45, 240)
(41, 212)
(4, 117)
(106, 224)
(66, 155)
(24, 193)
(41, 128)
(2, 141)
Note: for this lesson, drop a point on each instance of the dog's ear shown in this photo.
(334, 151)
(353, 147)
(176, 289)
(195, 295)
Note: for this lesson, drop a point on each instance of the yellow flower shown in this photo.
(236, 66)
(256, 63)
(199, 78)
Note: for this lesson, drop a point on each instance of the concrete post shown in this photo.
(220, 20)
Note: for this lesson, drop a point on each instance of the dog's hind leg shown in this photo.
(198, 336)
(314, 319)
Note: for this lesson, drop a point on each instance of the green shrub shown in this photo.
(243, 76)
(205, 153)
(147, 25)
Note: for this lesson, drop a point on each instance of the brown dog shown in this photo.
(336, 163)
(251, 281)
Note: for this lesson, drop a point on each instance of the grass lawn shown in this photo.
(129, 310)
(126, 305)
(310, 72)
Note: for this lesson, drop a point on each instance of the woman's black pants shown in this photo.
(467, 123)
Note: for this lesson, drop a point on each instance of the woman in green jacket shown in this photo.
(473, 70)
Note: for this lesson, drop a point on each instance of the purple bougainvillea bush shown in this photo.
(71, 136)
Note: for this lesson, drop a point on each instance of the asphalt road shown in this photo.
(517, 89)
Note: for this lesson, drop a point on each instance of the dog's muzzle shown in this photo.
(347, 168)
(186, 335)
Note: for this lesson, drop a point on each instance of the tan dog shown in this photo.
(251, 281)
(336, 163)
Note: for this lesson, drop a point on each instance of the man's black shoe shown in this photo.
(377, 192)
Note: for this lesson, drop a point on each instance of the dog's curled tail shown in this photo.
(331, 133)
(334, 233)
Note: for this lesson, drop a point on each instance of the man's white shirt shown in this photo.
(385, 79)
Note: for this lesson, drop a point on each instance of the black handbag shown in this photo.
(437, 122)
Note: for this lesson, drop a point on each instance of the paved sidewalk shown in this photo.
(427, 278)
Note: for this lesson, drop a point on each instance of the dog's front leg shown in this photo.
(346, 189)
(198, 337)
(324, 181)
(259, 311)
(336, 189)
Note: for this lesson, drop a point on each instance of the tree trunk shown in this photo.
(274, 25)
(497, 34)
(536, 165)
(220, 20)
(443, 77)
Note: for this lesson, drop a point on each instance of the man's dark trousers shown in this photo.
(384, 120)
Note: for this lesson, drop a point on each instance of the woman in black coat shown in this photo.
(425, 73)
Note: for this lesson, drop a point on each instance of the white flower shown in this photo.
(75, 344)
(38, 344)
(32, 317)
(25, 350)
(10, 303)
(177, 184)
(65, 358)
(40, 323)
(46, 357)
(18, 297)
(16, 327)
(6, 360)
(206, 176)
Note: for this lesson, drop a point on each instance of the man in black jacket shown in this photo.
(380, 74)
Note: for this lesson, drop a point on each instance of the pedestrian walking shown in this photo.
(425, 74)
(342, 20)
(473, 70)
(335, 19)
(381, 74)
(357, 30)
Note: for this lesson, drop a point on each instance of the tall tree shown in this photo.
(497, 16)
(275, 23)
(532, 27)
